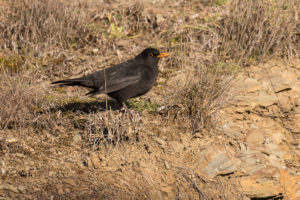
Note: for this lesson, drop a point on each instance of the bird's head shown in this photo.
(151, 55)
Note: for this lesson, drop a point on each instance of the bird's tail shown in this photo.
(71, 82)
(78, 82)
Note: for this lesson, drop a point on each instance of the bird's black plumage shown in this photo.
(127, 80)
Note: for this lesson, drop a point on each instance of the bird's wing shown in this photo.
(114, 78)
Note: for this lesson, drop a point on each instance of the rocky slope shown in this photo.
(263, 126)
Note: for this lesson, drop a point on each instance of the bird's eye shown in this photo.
(150, 54)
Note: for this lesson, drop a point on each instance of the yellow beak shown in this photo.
(162, 55)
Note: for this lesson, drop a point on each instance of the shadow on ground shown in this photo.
(87, 107)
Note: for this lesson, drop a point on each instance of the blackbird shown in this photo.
(129, 79)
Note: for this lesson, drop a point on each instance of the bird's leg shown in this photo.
(126, 109)
(124, 105)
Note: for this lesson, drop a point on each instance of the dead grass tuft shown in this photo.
(110, 128)
(204, 85)
(203, 92)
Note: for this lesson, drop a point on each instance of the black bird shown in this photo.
(129, 79)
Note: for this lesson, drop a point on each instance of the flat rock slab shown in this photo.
(263, 100)
(262, 184)
(259, 188)
(270, 182)
(249, 85)
(214, 161)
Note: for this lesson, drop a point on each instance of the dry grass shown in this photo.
(205, 49)
(111, 128)
(212, 53)
(25, 105)
(36, 26)
(203, 92)
(203, 88)
(254, 30)
(19, 103)
(41, 26)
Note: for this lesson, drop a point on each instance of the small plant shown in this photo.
(141, 104)
(220, 2)
(115, 31)
(227, 68)
(13, 64)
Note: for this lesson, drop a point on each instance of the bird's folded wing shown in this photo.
(114, 78)
(114, 84)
